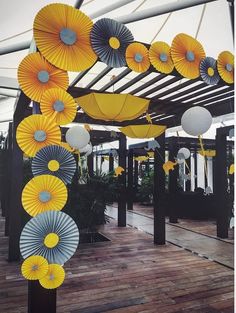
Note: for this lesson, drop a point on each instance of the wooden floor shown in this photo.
(128, 274)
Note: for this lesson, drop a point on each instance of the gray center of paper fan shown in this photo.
(44, 196)
(190, 56)
(163, 57)
(51, 277)
(229, 67)
(43, 76)
(68, 36)
(35, 267)
(138, 57)
(58, 106)
(40, 135)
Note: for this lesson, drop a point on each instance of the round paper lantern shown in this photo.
(77, 137)
(183, 153)
(87, 149)
(196, 121)
(62, 35)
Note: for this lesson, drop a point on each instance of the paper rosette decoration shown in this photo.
(137, 57)
(56, 161)
(160, 58)
(54, 277)
(225, 66)
(124, 106)
(35, 132)
(62, 35)
(208, 71)
(66, 146)
(34, 267)
(52, 234)
(44, 193)
(109, 40)
(187, 53)
(36, 75)
(143, 131)
(58, 105)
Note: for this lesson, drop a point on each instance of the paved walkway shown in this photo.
(205, 246)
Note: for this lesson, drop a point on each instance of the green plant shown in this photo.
(145, 189)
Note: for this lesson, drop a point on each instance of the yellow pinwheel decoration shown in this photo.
(187, 53)
(225, 66)
(35, 132)
(137, 57)
(44, 193)
(118, 171)
(34, 267)
(66, 146)
(36, 75)
(160, 58)
(62, 35)
(169, 166)
(58, 105)
(54, 277)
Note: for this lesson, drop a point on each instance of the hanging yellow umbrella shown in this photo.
(58, 105)
(160, 58)
(143, 131)
(62, 35)
(137, 57)
(44, 193)
(35, 132)
(34, 267)
(187, 53)
(112, 107)
(54, 277)
(36, 75)
(225, 66)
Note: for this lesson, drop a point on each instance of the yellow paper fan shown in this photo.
(44, 193)
(225, 66)
(66, 146)
(54, 277)
(36, 75)
(62, 35)
(137, 57)
(34, 267)
(58, 105)
(160, 58)
(187, 53)
(35, 132)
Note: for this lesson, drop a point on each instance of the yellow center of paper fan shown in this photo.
(114, 42)
(53, 165)
(210, 71)
(51, 240)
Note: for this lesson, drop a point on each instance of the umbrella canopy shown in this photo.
(143, 131)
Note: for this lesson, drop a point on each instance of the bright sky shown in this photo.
(215, 32)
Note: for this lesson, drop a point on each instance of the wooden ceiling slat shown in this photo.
(156, 88)
(79, 77)
(147, 84)
(220, 97)
(99, 76)
(115, 80)
(132, 82)
(186, 92)
(217, 93)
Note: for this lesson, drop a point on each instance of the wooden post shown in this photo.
(221, 182)
(41, 300)
(122, 182)
(130, 180)
(195, 168)
(159, 192)
(173, 218)
(188, 169)
(135, 174)
(111, 163)
(90, 165)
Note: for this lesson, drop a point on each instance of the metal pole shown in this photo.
(166, 8)
(231, 12)
(110, 8)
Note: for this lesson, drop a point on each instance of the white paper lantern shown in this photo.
(180, 160)
(183, 152)
(196, 121)
(86, 148)
(89, 151)
(77, 137)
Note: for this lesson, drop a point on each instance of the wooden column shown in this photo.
(187, 167)
(135, 174)
(159, 192)
(41, 300)
(90, 165)
(195, 167)
(130, 180)
(111, 163)
(221, 182)
(173, 175)
(122, 182)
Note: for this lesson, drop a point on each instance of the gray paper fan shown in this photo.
(65, 160)
(32, 239)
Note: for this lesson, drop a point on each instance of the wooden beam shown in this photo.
(159, 87)
(99, 76)
(132, 82)
(115, 80)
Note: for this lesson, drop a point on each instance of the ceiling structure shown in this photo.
(170, 95)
